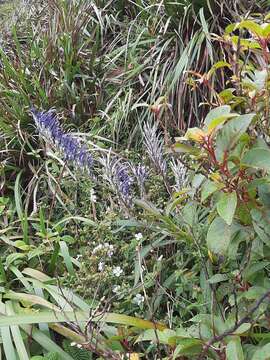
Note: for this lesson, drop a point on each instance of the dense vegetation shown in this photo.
(134, 180)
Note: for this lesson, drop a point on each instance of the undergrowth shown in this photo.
(134, 179)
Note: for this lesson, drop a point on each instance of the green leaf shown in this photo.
(9, 350)
(189, 347)
(17, 196)
(257, 158)
(217, 117)
(234, 349)
(261, 224)
(67, 257)
(219, 112)
(251, 26)
(46, 342)
(262, 354)
(219, 236)
(266, 31)
(231, 132)
(208, 188)
(13, 257)
(76, 353)
(226, 206)
(217, 278)
(149, 207)
(17, 336)
(75, 218)
(218, 65)
(78, 316)
(179, 147)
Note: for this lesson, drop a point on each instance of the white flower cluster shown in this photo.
(139, 236)
(101, 266)
(138, 299)
(93, 196)
(107, 247)
(116, 289)
(117, 271)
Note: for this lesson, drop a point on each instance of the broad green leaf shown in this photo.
(260, 78)
(253, 27)
(254, 292)
(219, 236)
(195, 134)
(217, 278)
(226, 206)
(261, 224)
(262, 353)
(231, 132)
(21, 245)
(80, 316)
(257, 158)
(253, 269)
(208, 188)
(245, 43)
(234, 349)
(179, 147)
(242, 329)
(36, 274)
(167, 336)
(266, 31)
(230, 28)
(218, 65)
(217, 117)
(30, 299)
(218, 112)
(189, 347)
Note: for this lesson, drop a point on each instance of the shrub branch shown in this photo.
(247, 318)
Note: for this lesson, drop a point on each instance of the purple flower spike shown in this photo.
(48, 126)
(141, 174)
(123, 181)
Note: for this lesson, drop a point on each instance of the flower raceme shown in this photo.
(121, 175)
(48, 126)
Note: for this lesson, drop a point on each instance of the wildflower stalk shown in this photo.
(154, 146)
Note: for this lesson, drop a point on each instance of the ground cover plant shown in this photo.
(134, 184)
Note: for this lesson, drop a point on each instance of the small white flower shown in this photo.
(117, 271)
(110, 251)
(116, 289)
(138, 236)
(143, 268)
(160, 258)
(97, 248)
(93, 196)
(101, 266)
(138, 299)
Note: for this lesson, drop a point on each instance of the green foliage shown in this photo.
(76, 353)
(184, 271)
